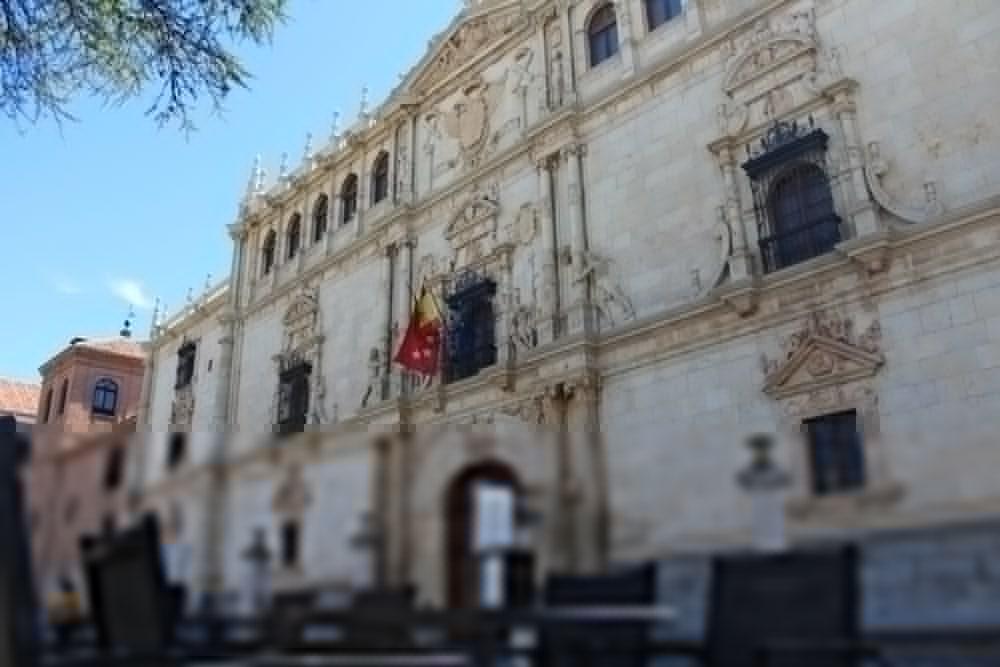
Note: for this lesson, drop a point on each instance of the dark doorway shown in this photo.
(460, 511)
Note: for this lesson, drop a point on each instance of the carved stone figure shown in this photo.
(610, 300)
(375, 369)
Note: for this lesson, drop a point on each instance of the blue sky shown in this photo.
(113, 210)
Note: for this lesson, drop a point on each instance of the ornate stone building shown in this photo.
(656, 227)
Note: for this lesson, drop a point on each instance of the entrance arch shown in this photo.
(463, 584)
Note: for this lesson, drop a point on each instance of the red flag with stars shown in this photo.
(420, 350)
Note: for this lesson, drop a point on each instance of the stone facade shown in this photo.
(640, 335)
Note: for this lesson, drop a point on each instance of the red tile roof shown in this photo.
(18, 398)
(122, 346)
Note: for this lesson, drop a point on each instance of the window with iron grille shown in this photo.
(471, 335)
(293, 398)
(186, 356)
(290, 538)
(349, 199)
(602, 35)
(321, 214)
(380, 178)
(659, 12)
(793, 201)
(267, 253)
(105, 398)
(293, 237)
(836, 453)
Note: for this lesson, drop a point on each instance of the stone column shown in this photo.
(565, 7)
(362, 197)
(505, 309)
(578, 311)
(548, 327)
(333, 219)
(588, 487)
(860, 205)
(626, 37)
(384, 314)
(217, 510)
(740, 265)
(403, 302)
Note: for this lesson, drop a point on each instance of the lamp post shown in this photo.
(259, 556)
(766, 484)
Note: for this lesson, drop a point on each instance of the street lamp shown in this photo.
(766, 484)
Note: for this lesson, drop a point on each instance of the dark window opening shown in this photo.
(115, 469)
(659, 12)
(836, 453)
(380, 178)
(186, 357)
(290, 544)
(793, 202)
(267, 252)
(471, 340)
(293, 236)
(176, 449)
(349, 199)
(602, 34)
(63, 392)
(47, 406)
(321, 214)
(293, 398)
(105, 398)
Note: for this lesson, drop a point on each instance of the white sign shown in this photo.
(494, 517)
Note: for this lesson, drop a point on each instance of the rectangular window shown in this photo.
(293, 399)
(290, 544)
(471, 338)
(836, 453)
(659, 12)
(186, 356)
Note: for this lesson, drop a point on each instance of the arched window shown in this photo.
(321, 213)
(293, 237)
(47, 406)
(349, 199)
(105, 397)
(380, 178)
(803, 222)
(659, 12)
(267, 252)
(63, 391)
(602, 34)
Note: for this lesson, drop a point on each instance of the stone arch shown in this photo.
(459, 512)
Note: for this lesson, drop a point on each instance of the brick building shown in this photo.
(75, 480)
(19, 400)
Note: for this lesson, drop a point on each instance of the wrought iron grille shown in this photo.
(471, 336)
(836, 453)
(293, 398)
(793, 202)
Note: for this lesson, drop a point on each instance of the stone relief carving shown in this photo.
(468, 121)
(876, 168)
(610, 300)
(375, 368)
(820, 360)
(293, 496)
(472, 232)
(724, 235)
(303, 342)
(830, 325)
(524, 334)
(556, 64)
(182, 408)
(522, 78)
(771, 69)
(465, 44)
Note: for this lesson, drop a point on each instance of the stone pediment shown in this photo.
(481, 25)
(821, 362)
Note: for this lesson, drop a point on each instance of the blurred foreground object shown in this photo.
(17, 604)
(766, 484)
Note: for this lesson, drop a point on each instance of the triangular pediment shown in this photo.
(478, 27)
(821, 362)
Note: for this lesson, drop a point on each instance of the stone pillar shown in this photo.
(384, 314)
(588, 487)
(362, 197)
(217, 510)
(505, 310)
(565, 7)
(740, 264)
(333, 219)
(548, 325)
(859, 202)
(578, 311)
(626, 37)
(403, 303)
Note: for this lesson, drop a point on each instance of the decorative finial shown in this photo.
(307, 152)
(154, 321)
(364, 102)
(208, 282)
(190, 296)
(126, 331)
(283, 167)
(335, 127)
(254, 184)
